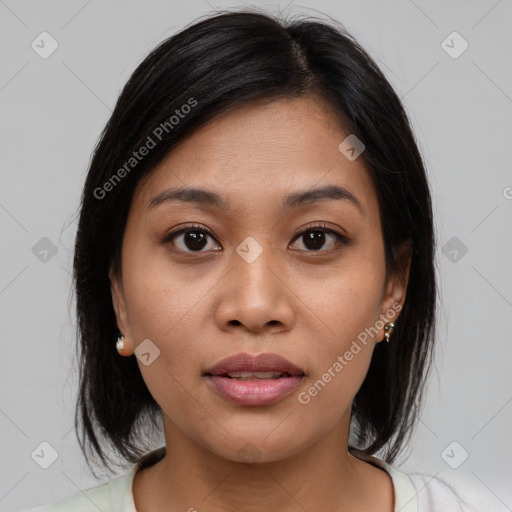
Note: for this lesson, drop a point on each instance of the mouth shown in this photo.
(259, 380)
(255, 376)
(250, 367)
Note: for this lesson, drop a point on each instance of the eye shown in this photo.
(190, 239)
(195, 239)
(314, 238)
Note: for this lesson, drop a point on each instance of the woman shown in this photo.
(254, 270)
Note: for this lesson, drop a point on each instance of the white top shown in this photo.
(414, 493)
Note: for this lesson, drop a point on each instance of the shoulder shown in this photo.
(86, 501)
(106, 497)
(417, 492)
(436, 494)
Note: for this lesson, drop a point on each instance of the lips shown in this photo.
(260, 380)
(253, 367)
(242, 375)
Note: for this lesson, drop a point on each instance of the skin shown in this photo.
(306, 305)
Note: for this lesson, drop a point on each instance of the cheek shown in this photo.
(342, 303)
(171, 323)
(172, 318)
(162, 298)
(341, 366)
(344, 312)
(164, 308)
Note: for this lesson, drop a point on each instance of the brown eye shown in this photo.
(314, 238)
(195, 239)
(190, 239)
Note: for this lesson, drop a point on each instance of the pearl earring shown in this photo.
(120, 344)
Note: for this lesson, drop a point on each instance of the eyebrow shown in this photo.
(294, 200)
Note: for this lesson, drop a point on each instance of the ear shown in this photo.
(396, 286)
(119, 304)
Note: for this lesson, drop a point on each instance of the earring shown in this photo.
(388, 328)
(120, 344)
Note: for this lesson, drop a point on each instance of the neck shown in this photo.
(323, 476)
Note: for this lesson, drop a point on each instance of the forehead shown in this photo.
(259, 153)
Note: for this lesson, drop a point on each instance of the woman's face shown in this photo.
(249, 277)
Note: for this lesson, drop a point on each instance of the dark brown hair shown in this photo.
(224, 62)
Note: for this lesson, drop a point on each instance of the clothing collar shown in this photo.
(404, 491)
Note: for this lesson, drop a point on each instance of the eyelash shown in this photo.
(341, 240)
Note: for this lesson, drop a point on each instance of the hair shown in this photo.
(217, 65)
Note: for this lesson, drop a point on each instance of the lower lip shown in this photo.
(254, 392)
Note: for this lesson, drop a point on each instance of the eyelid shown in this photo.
(320, 226)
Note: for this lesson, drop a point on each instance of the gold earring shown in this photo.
(120, 344)
(388, 328)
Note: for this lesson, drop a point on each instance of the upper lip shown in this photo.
(265, 362)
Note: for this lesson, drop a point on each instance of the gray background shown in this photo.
(52, 112)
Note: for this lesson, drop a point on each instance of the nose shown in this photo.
(255, 296)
